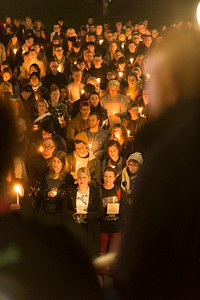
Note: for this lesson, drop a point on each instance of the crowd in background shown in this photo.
(79, 98)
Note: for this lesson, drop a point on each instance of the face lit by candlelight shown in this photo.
(132, 81)
(85, 111)
(57, 165)
(113, 152)
(81, 149)
(93, 122)
(83, 180)
(117, 133)
(113, 90)
(42, 108)
(109, 178)
(134, 112)
(94, 100)
(48, 148)
(55, 96)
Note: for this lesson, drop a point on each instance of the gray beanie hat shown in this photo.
(137, 156)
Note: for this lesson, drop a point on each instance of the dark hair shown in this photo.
(89, 88)
(123, 129)
(47, 127)
(94, 93)
(94, 113)
(121, 60)
(27, 88)
(110, 169)
(114, 143)
(36, 67)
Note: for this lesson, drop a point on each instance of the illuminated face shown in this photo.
(131, 47)
(57, 165)
(132, 81)
(133, 166)
(92, 121)
(85, 111)
(113, 89)
(94, 100)
(117, 133)
(80, 148)
(89, 57)
(134, 111)
(48, 148)
(113, 47)
(59, 52)
(109, 178)
(14, 40)
(113, 152)
(42, 108)
(32, 54)
(83, 180)
(54, 67)
(55, 96)
(34, 80)
(46, 135)
(6, 76)
(77, 76)
(118, 54)
(63, 93)
(81, 66)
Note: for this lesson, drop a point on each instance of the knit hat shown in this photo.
(137, 156)
(82, 136)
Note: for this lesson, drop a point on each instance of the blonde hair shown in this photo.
(83, 170)
(42, 100)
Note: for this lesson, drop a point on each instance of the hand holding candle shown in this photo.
(18, 188)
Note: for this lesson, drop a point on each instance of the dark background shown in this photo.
(76, 12)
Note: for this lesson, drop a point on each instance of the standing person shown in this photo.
(84, 205)
(110, 227)
(82, 157)
(115, 103)
(161, 260)
(55, 184)
(74, 89)
(54, 76)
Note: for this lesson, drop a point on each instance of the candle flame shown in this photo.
(40, 149)
(120, 74)
(100, 42)
(198, 13)
(131, 60)
(18, 189)
(98, 80)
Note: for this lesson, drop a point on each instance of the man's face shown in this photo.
(89, 57)
(80, 148)
(56, 28)
(77, 76)
(48, 148)
(92, 121)
(98, 60)
(132, 47)
(59, 52)
(85, 111)
(54, 67)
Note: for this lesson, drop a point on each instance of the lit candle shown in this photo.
(98, 80)
(89, 146)
(131, 60)
(140, 110)
(75, 62)
(104, 123)
(59, 68)
(122, 45)
(18, 191)
(100, 42)
(55, 192)
(40, 149)
(120, 74)
(128, 132)
(15, 51)
(148, 76)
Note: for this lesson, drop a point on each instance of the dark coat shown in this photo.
(95, 211)
(161, 260)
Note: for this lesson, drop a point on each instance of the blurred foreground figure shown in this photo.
(160, 257)
(37, 261)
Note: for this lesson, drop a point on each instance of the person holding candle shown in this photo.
(97, 136)
(133, 90)
(55, 184)
(113, 158)
(14, 51)
(74, 88)
(53, 76)
(83, 205)
(115, 103)
(96, 107)
(123, 136)
(134, 122)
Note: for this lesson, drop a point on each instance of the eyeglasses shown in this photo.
(47, 147)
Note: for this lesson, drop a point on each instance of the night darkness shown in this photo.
(76, 12)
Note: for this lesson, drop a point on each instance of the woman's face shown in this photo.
(14, 40)
(94, 100)
(83, 179)
(113, 152)
(109, 178)
(25, 95)
(34, 80)
(42, 108)
(117, 133)
(113, 47)
(55, 96)
(57, 165)
(6, 76)
(46, 135)
(134, 111)
(63, 93)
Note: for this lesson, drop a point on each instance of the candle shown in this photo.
(120, 74)
(100, 42)
(148, 76)
(128, 131)
(122, 45)
(98, 80)
(82, 92)
(59, 68)
(104, 123)
(140, 110)
(131, 60)
(55, 192)
(89, 146)
(75, 62)
(198, 13)
(15, 51)
(18, 191)
(40, 149)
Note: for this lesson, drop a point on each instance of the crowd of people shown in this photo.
(78, 98)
